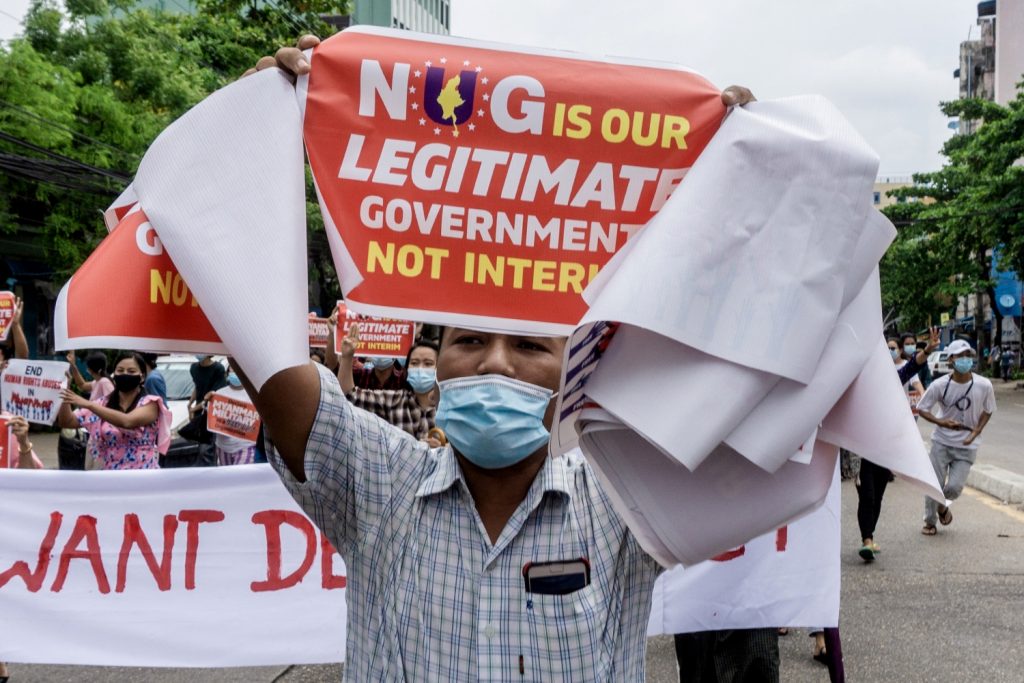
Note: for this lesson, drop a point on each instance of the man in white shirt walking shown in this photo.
(960, 405)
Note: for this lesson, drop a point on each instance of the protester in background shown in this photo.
(230, 450)
(207, 376)
(925, 373)
(316, 355)
(100, 386)
(128, 430)
(25, 456)
(873, 479)
(16, 345)
(728, 656)
(960, 405)
(411, 408)
(155, 384)
(1006, 362)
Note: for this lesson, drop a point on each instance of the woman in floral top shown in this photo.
(127, 430)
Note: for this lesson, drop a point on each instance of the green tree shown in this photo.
(953, 218)
(87, 87)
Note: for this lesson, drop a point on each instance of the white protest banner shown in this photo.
(6, 314)
(788, 577)
(189, 567)
(31, 388)
(231, 413)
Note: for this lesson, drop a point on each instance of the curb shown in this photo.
(995, 481)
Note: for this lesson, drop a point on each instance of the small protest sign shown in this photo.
(31, 388)
(318, 332)
(6, 314)
(6, 439)
(233, 415)
(381, 337)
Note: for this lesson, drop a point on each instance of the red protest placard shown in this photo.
(6, 437)
(478, 184)
(155, 311)
(318, 332)
(6, 314)
(382, 337)
(235, 417)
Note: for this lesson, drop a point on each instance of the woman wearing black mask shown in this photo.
(128, 429)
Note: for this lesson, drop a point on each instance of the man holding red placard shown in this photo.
(486, 560)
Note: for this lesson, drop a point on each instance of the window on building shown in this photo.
(878, 198)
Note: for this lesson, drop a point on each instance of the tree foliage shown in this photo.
(950, 220)
(90, 83)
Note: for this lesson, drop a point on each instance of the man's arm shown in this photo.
(976, 432)
(287, 404)
(18, 332)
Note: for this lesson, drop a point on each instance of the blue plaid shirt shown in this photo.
(431, 599)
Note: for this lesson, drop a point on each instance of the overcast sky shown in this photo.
(885, 63)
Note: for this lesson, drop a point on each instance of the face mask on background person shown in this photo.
(126, 383)
(493, 420)
(382, 363)
(233, 380)
(895, 352)
(422, 380)
(963, 365)
(910, 350)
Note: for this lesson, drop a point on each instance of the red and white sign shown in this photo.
(154, 309)
(473, 183)
(7, 444)
(6, 314)
(165, 568)
(319, 331)
(31, 388)
(380, 337)
(231, 413)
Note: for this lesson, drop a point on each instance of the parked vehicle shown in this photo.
(938, 363)
(182, 452)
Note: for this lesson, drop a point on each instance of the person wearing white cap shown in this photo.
(960, 406)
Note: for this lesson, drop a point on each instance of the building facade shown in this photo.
(424, 16)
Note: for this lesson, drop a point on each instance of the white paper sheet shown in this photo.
(747, 259)
(224, 188)
(873, 420)
(719, 340)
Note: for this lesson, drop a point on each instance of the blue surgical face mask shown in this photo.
(233, 380)
(963, 365)
(895, 353)
(383, 363)
(422, 380)
(910, 350)
(493, 420)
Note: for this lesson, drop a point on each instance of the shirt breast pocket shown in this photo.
(568, 636)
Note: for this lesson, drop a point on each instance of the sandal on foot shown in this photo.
(867, 553)
(945, 515)
(874, 546)
(821, 656)
(928, 530)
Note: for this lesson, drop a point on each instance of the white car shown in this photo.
(938, 363)
(175, 369)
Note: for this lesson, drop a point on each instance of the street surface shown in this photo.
(947, 608)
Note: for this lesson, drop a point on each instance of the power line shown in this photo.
(54, 124)
(120, 177)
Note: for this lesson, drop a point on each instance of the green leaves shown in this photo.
(974, 203)
(91, 83)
